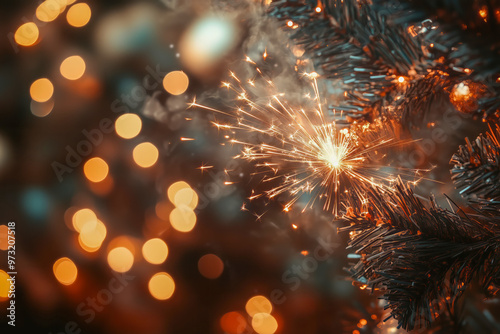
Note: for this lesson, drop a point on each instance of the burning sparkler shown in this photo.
(304, 150)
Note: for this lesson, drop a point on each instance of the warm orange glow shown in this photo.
(82, 217)
(104, 187)
(162, 210)
(41, 90)
(258, 304)
(120, 259)
(233, 323)
(145, 155)
(4, 284)
(128, 125)
(73, 68)
(65, 271)
(363, 322)
(289, 23)
(401, 79)
(87, 248)
(264, 323)
(4, 232)
(186, 196)
(210, 266)
(461, 91)
(183, 219)
(27, 34)
(176, 82)
(79, 15)
(122, 241)
(41, 109)
(96, 169)
(483, 12)
(155, 251)
(161, 286)
(48, 10)
(92, 235)
(176, 187)
(318, 9)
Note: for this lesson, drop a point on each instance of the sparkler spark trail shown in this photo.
(302, 151)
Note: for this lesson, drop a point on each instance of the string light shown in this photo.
(176, 82)
(161, 286)
(79, 15)
(48, 10)
(183, 219)
(145, 155)
(27, 34)
(176, 187)
(4, 285)
(128, 126)
(233, 323)
(264, 323)
(155, 251)
(258, 304)
(120, 259)
(210, 266)
(65, 271)
(4, 231)
(41, 90)
(73, 68)
(96, 169)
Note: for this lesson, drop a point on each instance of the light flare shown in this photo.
(302, 149)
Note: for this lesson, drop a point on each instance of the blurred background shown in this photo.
(130, 212)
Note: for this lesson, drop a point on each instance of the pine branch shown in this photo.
(476, 170)
(421, 257)
(354, 43)
(465, 33)
(369, 45)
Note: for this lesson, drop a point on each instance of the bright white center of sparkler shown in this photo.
(462, 89)
(334, 156)
(334, 160)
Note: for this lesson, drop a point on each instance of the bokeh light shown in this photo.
(120, 259)
(41, 90)
(92, 235)
(258, 304)
(82, 217)
(65, 271)
(73, 67)
(4, 232)
(176, 187)
(49, 10)
(123, 241)
(4, 285)
(96, 169)
(176, 82)
(264, 323)
(210, 266)
(41, 109)
(233, 323)
(161, 286)
(145, 154)
(163, 209)
(155, 251)
(207, 42)
(183, 219)
(186, 196)
(128, 126)
(79, 15)
(27, 34)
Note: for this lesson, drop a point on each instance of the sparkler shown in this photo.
(303, 150)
